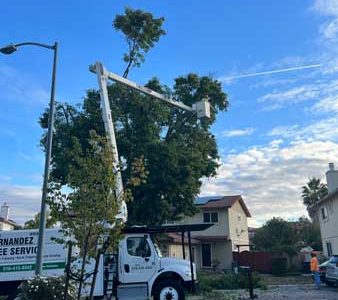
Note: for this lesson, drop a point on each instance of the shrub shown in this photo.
(278, 265)
(228, 281)
(42, 288)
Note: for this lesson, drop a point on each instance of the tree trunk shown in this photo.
(84, 256)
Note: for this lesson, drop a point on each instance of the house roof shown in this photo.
(221, 202)
(177, 238)
(167, 228)
(327, 197)
(9, 221)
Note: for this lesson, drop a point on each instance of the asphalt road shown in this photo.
(283, 292)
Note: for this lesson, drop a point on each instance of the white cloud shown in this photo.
(311, 91)
(270, 177)
(323, 130)
(238, 132)
(326, 105)
(326, 7)
(24, 201)
(330, 29)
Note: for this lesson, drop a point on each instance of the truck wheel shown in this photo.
(169, 290)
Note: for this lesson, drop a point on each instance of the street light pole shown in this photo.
(9, 50)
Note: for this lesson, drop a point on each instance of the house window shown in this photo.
(324, 213)
(239, 217)
(329, 249)
(210, 217)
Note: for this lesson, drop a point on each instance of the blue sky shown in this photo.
(280, 128)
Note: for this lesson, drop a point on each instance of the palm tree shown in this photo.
(313, 191)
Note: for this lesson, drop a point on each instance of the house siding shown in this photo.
(329, 226)
(218, 229)
(230, 230)
(239, 233)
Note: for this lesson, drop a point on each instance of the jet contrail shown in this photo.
(269, 72)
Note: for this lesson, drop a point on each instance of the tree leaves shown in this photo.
(313, 191)
(141, 31)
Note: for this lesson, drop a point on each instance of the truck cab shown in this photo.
(144, 272)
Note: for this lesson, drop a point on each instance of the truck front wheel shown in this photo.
(169, 290)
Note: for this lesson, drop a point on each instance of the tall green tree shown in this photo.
(170, 150)
(276, 235)
(280, 235)
(313, 191)
(87, 212)
(308, 233)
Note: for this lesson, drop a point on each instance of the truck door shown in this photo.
(137, 259)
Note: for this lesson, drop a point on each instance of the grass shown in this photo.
(226, 281)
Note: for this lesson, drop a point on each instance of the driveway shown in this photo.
(278, 292)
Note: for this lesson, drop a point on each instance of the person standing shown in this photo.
(315, 269)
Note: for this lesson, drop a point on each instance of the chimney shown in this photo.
(332, 179)
(4, 211)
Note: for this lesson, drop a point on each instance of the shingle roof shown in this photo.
(9, 221)
(221, 202)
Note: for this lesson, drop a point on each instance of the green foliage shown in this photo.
(313, 191)
(278, 265)
(41, 288)
(87, 213)
(141, 30)
(90, 205)
(275, 235)
(169, 149)
(308, 233)
(34, 223)
(227, 281)
(280, 235)
(165, 151)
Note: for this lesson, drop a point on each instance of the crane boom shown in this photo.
(110, 132)
(201, 108)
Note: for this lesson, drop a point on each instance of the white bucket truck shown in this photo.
(137, 271)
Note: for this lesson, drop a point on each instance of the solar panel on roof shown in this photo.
(205, 200)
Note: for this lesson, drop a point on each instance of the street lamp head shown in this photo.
(8, 49)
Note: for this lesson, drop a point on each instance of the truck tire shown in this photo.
(169, 290)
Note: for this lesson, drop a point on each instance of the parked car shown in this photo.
(322, 270)
(332, 271)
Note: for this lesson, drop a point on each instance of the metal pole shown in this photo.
(42, 225)
(183, 246)
(67, 271)
(191, 265)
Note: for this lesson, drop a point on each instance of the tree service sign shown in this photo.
(18, 254)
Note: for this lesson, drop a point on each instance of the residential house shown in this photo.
(212, 248)
(325, 212)
(5, 222)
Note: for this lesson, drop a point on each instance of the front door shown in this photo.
(206, 255)
(137, 259)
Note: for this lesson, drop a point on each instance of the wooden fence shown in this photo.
(261, 261)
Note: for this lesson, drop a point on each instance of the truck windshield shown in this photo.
(157, 248)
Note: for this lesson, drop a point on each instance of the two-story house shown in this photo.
(212, 248)
(325, 212)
